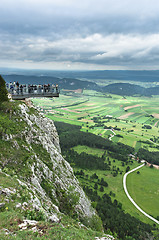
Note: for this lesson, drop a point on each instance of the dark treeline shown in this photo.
(65, 127)
(151, 157)
(70, 136)
(118, 156)
(84, 160)
(115, 219)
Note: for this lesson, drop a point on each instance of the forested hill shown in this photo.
(65, 83)
(130, 89)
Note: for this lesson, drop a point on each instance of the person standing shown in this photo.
(17, 85)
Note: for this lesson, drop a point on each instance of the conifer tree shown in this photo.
(3, 91)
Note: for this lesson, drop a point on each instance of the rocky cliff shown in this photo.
(35, 160)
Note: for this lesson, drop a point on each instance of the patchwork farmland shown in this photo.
(129, 120)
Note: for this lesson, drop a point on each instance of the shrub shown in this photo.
(37, 215)
(3, 91)
(67, 200)
(93, 222)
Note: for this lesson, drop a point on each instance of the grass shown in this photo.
(144, 189)
(89, 150)
(7, 181)
(11, 217)
(68, 229)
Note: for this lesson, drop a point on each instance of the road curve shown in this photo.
(130, 198)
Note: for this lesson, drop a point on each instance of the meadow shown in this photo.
(144, 189)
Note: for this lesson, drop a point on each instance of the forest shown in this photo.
(114, 218)
(70, 136)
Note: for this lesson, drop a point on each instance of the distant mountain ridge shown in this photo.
(124, 75)
(130, 89)
(73, 84)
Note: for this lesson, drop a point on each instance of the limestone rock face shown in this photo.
(52, 182)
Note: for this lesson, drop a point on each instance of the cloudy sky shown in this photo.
(79, 34)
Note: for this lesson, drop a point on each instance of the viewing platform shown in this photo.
(24, 91)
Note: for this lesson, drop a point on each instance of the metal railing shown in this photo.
(22, 91)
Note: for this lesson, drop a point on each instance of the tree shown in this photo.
(81, 173)
(94, 176)
(95, 186)
(115, 202)
(127, 169)
(101, 189)
(3, 91)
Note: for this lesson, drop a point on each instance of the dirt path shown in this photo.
(156, 123)
(134, 106)
(126, 115)
(112, 135)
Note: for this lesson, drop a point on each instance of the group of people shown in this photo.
(16, 88)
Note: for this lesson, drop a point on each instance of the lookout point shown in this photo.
(22, 91)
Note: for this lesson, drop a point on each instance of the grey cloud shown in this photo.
(61, 26)
(96, 49)
(101, 32)
(92, 17)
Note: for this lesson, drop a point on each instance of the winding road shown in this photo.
(130, 198)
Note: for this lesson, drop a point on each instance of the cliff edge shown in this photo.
(30, 152)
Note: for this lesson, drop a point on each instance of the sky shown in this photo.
(79, 34)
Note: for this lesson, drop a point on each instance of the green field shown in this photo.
(144, 189)
(96, 112)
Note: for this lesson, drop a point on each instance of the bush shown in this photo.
(3, 91)
(68, 200)
(37, 215)
(94, 222)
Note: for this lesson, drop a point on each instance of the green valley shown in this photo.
(126, 121)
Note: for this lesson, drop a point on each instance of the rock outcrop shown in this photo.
(48, 178)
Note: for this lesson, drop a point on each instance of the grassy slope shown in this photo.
(11, 217)
(144, 189)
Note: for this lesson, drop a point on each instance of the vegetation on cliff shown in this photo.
(3, 91)
(36, 183)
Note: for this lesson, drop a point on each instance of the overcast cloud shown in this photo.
(71, 34)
